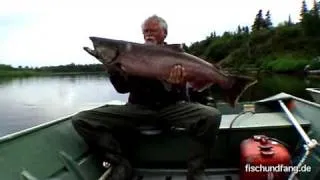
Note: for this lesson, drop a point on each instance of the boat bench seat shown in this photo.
(258, 121)
(170, 146)
(239, 121)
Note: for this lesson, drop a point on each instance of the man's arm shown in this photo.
(176, 78)
(119, 82)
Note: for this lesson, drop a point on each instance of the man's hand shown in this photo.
(177, 75)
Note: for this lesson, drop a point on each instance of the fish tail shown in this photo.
(239, 85)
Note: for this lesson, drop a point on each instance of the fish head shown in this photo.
(109, 49)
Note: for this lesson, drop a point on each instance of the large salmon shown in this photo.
(156, 61)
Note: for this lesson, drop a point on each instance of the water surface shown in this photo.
(26, 102)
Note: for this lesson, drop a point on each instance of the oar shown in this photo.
(310, 143)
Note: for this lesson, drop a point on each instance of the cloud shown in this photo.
(42, 32)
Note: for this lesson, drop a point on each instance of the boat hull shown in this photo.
(55, 150)
(315, 94)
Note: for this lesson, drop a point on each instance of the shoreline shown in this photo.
(4, 74)
(248, 71)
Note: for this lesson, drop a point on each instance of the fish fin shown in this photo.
(128, 47)
(206, 86)
(124, 75)
(188, 85)
(167, 86)
(199, 86)
(175, 47)
(239, 85)
(218, 66)
(120, 69)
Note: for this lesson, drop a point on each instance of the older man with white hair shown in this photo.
(106, 128)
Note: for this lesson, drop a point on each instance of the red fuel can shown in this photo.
(262, 158)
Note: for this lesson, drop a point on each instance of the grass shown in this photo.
(284, 64)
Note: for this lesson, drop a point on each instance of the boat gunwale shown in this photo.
(17, 134)
(41, 126)
(314, 90)
(306, 101)
(33, 129)
(287, 96)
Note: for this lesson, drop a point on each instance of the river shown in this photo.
(26, 102)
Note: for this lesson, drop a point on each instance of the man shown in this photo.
(149, 103)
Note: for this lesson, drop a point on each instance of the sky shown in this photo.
(49, 33)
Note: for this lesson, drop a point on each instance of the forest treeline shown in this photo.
(285, 47)
(8, 70)
(57, 69)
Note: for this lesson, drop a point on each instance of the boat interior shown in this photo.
(55, 151)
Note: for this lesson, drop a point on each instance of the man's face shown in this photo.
(153, 33)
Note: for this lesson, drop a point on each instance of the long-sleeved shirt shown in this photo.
(152, 93)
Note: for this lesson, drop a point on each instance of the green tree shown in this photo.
(6, 67)
(239, 30)
(315, 9)
(288, 45)
(311, 21)
(258, 21)
(289, 23)
(246, 30)
(267, 21)
(304, 10)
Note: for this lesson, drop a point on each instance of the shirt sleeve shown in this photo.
(119, 82)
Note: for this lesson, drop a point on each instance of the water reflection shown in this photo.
(271, 84)
(25, 102)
